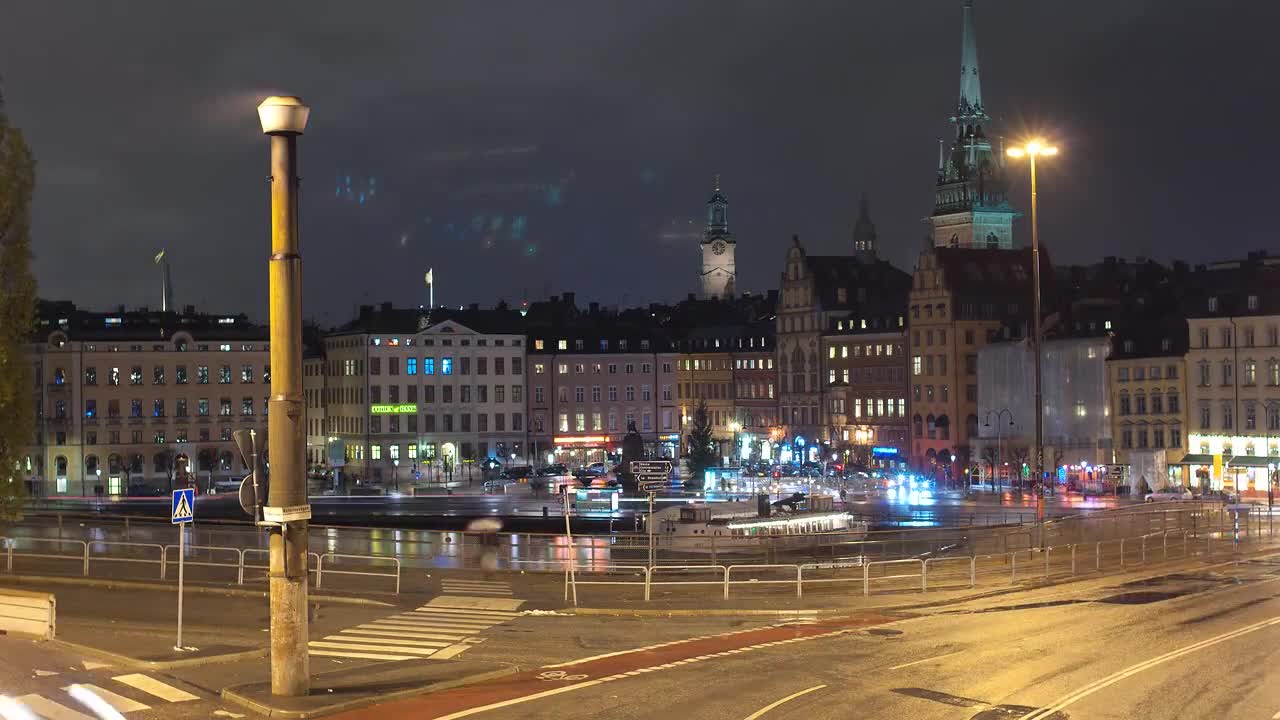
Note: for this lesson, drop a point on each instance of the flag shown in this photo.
(430, 279)
(159, 256)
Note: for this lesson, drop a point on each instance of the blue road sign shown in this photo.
(184, 506)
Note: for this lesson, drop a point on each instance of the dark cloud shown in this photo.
(524, 147)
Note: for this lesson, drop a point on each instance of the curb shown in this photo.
(162, 664)
(201, 589)
(232, 695)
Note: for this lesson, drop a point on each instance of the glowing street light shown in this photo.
(1031, 150)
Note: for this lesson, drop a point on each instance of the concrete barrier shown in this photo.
(28, 613)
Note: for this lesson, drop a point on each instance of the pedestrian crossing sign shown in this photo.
(184, 506)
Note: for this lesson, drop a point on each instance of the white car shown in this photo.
(1170, 495)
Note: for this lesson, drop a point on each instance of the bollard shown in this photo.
(1122, 552)
(1073, 561)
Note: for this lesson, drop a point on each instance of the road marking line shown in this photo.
(464, 613)
(386, 641)
(759, 713)
(428, 622)
(119, 702)
(460, 619)
(361, 656)
(1276, 716)
(519, 700)
(1116, 677)
(151, 686)
(377, 648)
(45, 673)
(46, 708)
(917, 662)
(474, 603)
(450, 651)
(94, 665)
(404, 634)
(449, 629)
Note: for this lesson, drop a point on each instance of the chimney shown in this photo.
(569, 299)
(386, 307)
(594, 307)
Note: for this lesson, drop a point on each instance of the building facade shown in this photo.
(704, 374)
(140, 402)
(420, 398)
(1233, 388)
(755, 393)
(867, 374)
(1146, 379)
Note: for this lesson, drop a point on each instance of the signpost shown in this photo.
(651, 476)
(183, 511)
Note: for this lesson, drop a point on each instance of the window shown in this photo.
(1122, 374)
(135, 408)
(539, 368)
(580, 422)
(114, 378)
(135, 375)
(1157, 403)
(157, 375)
(1273, 417)
(1142, 437)
(1228, 417)
(646, 368)
(631, 369)
(1250, 417)
(1173, 401)
(375, 366)
(246, 374)
(181, 409)
(1273, 372)
(465, 394)
(1225, 333)
(613, 393)
(157, 408)
(1171, 372)
(539, 397)
(579, 394)
(1205, 418)
(411, 367)
(499, 393)
(428, 366)
(630, 393)
(202, 407)
(446, 366)
(1213, 304)
(393, 368)
(1226, 372)
(91, 408)
(916, 365)
(1250, 372)
(1125, 408)
(595, 394)
(1126, 438)
(1140, 403)
(224, 407)
(246, 406)
(564, 422)
(1204, 373)
(446, 394)
(464, 366)
(224, 375)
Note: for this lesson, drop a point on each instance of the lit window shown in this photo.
(446, 366)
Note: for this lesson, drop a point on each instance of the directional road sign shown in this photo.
(649, 470)
(184, 506)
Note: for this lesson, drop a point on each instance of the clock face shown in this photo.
(718, 247)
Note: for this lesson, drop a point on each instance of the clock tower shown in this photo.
(719, 271)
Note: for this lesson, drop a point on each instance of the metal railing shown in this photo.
(339, 556)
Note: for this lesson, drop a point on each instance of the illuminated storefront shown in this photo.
(1230, 462)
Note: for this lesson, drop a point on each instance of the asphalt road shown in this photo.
(1197, 644)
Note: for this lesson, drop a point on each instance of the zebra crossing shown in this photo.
(123, 695)
(476, 587)
(439, 630)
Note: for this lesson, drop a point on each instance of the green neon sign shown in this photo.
(406, 409)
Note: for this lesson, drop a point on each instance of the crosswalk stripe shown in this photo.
(416, 619)
(464, 589)
(484, 586)
(471, 602)
(388, 641)
(386, 633)
(489, 583)
(151, 686)
(464, 612)
(474, 619)
(46, 708)
(485, 593)
(361, 656)
(438, 628)
(378, 648)
(119, 702)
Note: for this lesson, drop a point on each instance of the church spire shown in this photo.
(969, 108)
(864, 232)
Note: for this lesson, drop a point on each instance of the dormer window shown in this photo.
(1213, 304)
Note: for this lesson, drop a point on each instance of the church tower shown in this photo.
(719, 272)
(971, 203)
(864, 233)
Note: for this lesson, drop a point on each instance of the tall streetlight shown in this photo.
(1031, 150)
(284, 119)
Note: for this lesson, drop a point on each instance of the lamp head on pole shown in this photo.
(1032, 148)
(283, 114)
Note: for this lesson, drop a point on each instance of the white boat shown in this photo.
(740, 526)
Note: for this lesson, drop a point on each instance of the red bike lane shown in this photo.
(576, 675)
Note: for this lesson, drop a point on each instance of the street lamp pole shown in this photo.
(1032, 150)
(999, 428)
(284, 119)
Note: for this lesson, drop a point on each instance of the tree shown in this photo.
(701, 454)
(17, 316)
(991, 455)
(1020, 457)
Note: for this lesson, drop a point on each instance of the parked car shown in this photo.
(517, 472)
(598, 469)
(1178, 494)
(553, 470)
(495, 487)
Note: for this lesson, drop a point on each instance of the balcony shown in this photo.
(183, 419)
(159, 420)
(113, 420)
(57, 388)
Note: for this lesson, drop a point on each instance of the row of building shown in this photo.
(1151, 372)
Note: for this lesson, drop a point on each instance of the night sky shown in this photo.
(527, 148)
